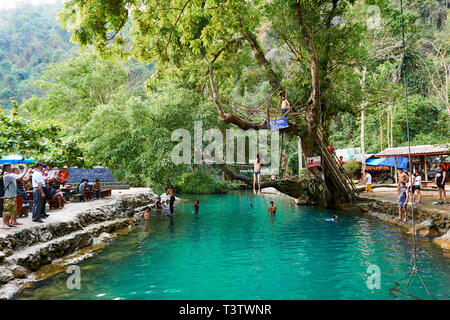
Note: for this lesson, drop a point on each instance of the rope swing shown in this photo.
(415, 268)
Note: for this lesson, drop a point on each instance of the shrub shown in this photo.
(350, 167)
(203, 183)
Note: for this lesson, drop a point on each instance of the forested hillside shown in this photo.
(30, 39)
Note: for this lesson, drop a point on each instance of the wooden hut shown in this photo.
(419, 155)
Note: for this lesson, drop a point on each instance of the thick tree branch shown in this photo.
(262, 61)
(228, 117)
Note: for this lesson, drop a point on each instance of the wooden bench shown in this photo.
(105, 192)
(26, 208)
(78, 197)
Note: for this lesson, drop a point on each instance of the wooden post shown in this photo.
(300, 164)
(396, 178)
(426, 168)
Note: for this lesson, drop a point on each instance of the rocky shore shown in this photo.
(27, 250)
(431, 223)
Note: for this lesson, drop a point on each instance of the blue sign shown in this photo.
(278, 124)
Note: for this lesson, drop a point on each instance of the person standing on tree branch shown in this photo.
(285, 105)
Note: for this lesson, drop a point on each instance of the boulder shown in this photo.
(6, 275)
(443, 241)
(8, 252)
(103, 238)
(19, 271)
(270, 191)
(427, 228)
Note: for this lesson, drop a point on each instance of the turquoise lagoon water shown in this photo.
(232, 251)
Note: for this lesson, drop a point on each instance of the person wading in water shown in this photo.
(171, 202)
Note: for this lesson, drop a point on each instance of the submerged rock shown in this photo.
(427, 228)
(443, 241)
(102, 238)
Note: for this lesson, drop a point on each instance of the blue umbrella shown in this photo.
(15, 159)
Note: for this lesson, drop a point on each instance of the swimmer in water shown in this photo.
(272, 208)
(145, 213)
(334, 219)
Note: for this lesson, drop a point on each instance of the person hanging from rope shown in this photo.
(285, 105)
(272, 208)
(257, 174)
(402, 200)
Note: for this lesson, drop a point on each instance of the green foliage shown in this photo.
(125, 114)
(195, 182)
(134, 133)
(41, 140)
(350, 167)
(427, 51)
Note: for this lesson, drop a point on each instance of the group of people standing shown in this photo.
(167, 206)
(409, 188)
(45, 184)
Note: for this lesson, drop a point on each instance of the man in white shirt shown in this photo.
(368, 182)
(38, 183)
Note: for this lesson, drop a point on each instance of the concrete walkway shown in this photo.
(71, 210)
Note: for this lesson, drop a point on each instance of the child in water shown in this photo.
(196, 207)
(145, 213)
(272, 208)
(166, 206)
(158, 204)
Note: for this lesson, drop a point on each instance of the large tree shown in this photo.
(217, 43)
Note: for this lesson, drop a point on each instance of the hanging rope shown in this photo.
(415, 268)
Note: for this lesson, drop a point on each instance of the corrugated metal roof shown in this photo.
(103, 174)
(415, 151)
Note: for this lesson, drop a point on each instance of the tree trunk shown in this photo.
(381, 129)
(364, 104)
